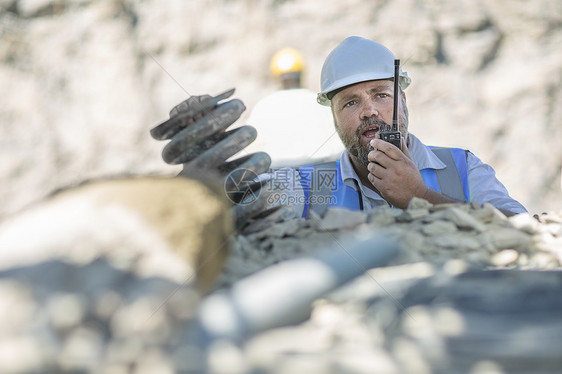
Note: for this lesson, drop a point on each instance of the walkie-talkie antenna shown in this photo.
(396, 77)
(385, 133)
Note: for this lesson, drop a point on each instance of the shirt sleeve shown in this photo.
(484, 187)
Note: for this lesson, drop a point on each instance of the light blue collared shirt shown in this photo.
(483, 185)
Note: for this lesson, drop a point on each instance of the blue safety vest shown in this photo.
(323, 185)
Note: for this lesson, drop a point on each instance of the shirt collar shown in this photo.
(347, 170)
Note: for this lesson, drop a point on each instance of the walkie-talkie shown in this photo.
(386, 133)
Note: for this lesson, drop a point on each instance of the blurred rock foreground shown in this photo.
(119, 287)
(104, 277)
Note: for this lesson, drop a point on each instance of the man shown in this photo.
(357, 83)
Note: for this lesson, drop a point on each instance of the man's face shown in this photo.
(360, 110)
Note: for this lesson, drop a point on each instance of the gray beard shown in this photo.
(353, 142)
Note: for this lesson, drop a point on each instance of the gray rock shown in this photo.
(282, 229)
(458, 242)
(439, 228)
(380, 217)
(505, 257)
(410, 215)
(525, 222)
(417, 203)
(340, 218)
(507, 238)
(487, 213)
(459, 217)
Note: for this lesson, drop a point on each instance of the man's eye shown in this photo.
(383, 95)
(350, 103)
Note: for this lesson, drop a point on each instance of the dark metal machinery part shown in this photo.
(198, 139)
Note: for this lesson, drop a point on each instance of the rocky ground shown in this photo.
(468, 290)
(477, 236)
(466, 294)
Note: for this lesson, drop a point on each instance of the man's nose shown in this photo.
(369, 109)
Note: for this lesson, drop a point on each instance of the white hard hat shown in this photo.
(357, 60)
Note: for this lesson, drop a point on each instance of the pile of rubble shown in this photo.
(469, 292)
(98, 288)
(478, 235)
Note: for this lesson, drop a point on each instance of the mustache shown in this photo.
(367, 122)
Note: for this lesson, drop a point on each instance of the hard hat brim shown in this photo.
(323, 99)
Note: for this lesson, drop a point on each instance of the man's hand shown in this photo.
(397, 178)
(394, 174)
